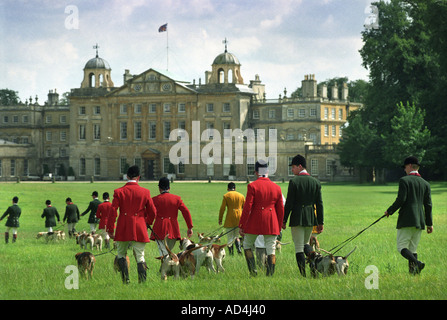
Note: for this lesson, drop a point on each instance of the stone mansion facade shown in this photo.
(105, 128)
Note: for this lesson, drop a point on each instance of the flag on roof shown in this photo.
(163, 28)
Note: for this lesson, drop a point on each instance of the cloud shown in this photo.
(123, 9)
(271, 23)
(279, 40)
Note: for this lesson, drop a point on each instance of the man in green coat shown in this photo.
(13, 213)
(92, 207)
(50, 214)
(71, 215)
(304, 204)
(414, 201)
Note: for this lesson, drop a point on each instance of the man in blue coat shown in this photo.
(415, 212)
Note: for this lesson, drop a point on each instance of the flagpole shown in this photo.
(164, 28)
(167, 48)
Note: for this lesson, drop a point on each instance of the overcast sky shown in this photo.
(45, 44)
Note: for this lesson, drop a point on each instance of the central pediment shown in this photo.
(151, 82)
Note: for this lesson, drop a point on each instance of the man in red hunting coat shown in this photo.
(106, 214)
(135, 207)
(168, 206)
(263, 213)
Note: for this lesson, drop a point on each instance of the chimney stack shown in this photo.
(309, 87)
(53, 98)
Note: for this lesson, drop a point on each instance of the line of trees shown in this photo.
(405, 103)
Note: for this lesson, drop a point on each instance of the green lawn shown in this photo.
(32, 269)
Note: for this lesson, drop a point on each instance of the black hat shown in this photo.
(411, 160)
(163, 183)
(298, 160)
(95, 193)
(133, 172)
(231, 186)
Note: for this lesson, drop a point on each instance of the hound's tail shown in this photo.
(346, 256)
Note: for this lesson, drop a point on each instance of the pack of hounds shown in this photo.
(207, 253)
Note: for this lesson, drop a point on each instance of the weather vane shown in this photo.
(96, 47)
(225, 42)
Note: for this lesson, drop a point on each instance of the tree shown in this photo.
(171, 168)
(435, 99)
(71, 171)
(232, 170)
(61, 170)
(408, 135)
(404, 59)
(359, 146)
(399, 59)
(358, 89)
(46, 168)
(65, 100)
(9, 97)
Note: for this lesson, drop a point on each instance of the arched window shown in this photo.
(91, 80)
(230, 76)
(220, 76)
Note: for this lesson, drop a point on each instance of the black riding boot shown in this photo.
(301, 261)
(6, 237)
(122, 262)
(231, 250)
(250, 262)
(271, 261)
(413, 262)
(412, 265)
(141, 267)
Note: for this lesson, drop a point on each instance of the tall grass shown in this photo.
(33, 269)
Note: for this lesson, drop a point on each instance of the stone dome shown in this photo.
(97, 63)
(226, 58)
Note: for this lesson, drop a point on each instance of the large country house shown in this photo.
(225, 125)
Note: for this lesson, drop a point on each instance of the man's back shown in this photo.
(235, 202)
(131, 198)
(263, 209)
(168, 206)
(107, 215)
(71, 213)
(414, 201)
(303, 199)
(135, 206)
